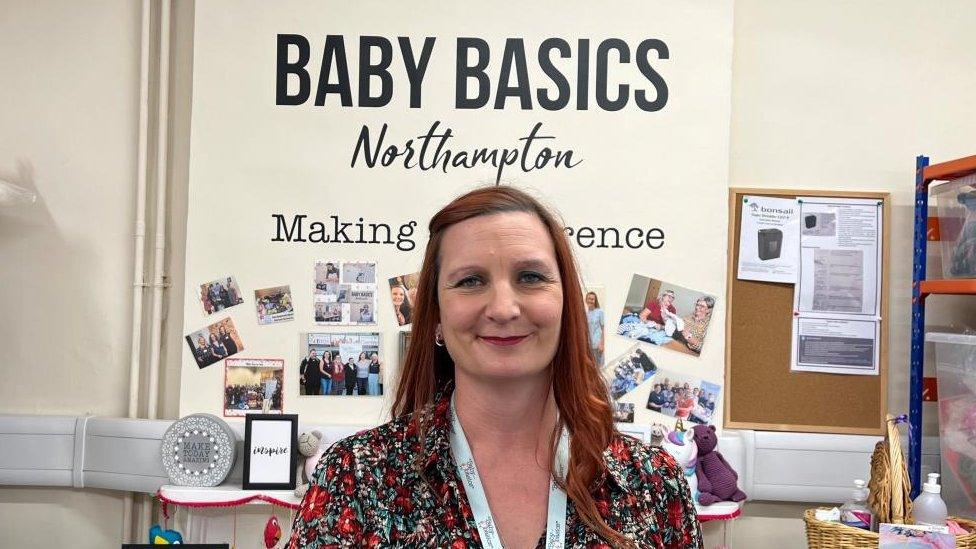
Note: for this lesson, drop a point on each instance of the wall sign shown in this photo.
(327, 131)
(198, 450)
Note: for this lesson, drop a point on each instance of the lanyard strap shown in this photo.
(468, 471)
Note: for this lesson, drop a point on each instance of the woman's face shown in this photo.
(701, 308)
(591, 300)
(374, 357)
(500, 296)
(362, 356)
(398, 296)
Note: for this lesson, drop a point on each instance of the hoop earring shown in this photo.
(438, 338)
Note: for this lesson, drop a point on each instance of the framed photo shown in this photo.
(270, 452)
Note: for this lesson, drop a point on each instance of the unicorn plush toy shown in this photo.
(680, 443)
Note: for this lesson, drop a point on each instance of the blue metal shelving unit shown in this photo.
(918, 324)
(925, 174)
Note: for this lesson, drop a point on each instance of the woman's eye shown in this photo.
(531, 278)
(468, 282)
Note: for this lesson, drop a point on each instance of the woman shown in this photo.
(325, 373)
(400, 307)
(309, 373)
(374, 375)
(362, 374)
(683, 404)
(338, 375)
(365, 315)
(228, 341)
(349, 372)
(594, 320)
(693, 334)
(499, 379)
(217, 348)
(202, 352)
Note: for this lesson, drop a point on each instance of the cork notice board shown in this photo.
(762, 392)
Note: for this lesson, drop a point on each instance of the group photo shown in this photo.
(253, 385)
(220, 294)
(683, 397)
(341, 365)
(214, 343)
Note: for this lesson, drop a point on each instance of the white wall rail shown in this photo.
(123, 454)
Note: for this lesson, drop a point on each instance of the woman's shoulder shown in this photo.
(631, 455)
(387, 443)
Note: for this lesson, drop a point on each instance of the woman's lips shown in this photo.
(504, 341)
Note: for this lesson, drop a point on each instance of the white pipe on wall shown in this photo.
(159, 254)
(159, 250)
(139, 262)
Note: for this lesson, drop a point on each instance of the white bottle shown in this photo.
(856, 512)
(928, 508)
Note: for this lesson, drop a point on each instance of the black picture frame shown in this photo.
(249, 441)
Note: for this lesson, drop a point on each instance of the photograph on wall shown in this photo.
(253, 385)
(403, 295)
(341, 364)
(595, 321)
(215, 342)
(626, 372)
(220, 294)
(666, 315)
(274, 305)
(623, 412)
(358, 272)
(683, 397)
(345, 292)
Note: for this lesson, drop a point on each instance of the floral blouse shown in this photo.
(370, 490)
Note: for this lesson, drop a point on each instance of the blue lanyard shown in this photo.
(468, 471)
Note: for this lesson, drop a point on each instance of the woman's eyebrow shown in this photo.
(537, 264)
(462, 269)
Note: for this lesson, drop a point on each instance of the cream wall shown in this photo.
(825, 95)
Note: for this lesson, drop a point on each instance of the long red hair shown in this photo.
(580, 392)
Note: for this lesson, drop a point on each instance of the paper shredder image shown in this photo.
(810, 221)
(770, 243)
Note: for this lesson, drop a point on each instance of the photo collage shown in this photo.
(345, 293)
(334, 364)
(655, 312)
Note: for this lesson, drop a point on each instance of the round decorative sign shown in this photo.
(198, 450)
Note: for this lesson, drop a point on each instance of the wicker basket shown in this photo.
(834, 535)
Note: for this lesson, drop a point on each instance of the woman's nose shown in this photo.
(503, 303)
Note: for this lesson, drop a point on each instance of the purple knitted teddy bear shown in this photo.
(716, 479)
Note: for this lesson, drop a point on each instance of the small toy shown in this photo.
(272, 532)
(657, 434)
(158, 536)
(310, 447)
(716, 479)
(681, 444)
